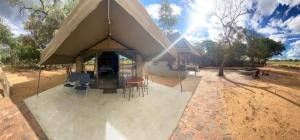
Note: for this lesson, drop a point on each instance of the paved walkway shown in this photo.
(204, 118)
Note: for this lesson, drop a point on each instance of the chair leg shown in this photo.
(132, 89)
(129, 94)
(138, 87)
(143, 90)
(124, 92)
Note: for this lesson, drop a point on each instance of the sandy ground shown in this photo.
(25, 82)
(266, 108)
(168, 81)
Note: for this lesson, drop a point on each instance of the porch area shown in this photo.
(64, 113)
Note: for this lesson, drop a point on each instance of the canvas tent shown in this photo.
(93, 21)
(184, 48)
(106, 29)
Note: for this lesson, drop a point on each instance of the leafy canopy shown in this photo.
(167, 20)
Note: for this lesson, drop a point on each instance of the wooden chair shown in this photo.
(128, 87)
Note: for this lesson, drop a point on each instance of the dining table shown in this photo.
(136, 81)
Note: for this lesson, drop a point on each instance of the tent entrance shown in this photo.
(108, 70)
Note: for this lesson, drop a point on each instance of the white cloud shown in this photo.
(268, 30)
(293, 24)
(264, 8)
(15, 29)
(278, 37)
(176, 9)
(153, 10)
(195, 37)
(291, 3)
(202, 16)
(276, 23)
(267, 7)
(294, 52)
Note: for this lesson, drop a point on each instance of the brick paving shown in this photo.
(13, 125)
(204, 117)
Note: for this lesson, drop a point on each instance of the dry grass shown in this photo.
(284, 64)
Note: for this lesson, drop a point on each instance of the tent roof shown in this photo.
(183, 45)
(87, 26)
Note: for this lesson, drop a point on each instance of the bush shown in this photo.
(28, 54)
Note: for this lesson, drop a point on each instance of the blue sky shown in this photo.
(276, 19)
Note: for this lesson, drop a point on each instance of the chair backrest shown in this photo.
(74, 76)
(84, 78)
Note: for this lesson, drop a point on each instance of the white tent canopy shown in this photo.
(88, 25)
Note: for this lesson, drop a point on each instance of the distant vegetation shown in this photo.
(44, 17)
(256, 52)
(292, 64)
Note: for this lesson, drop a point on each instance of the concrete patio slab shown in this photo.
(64, 114)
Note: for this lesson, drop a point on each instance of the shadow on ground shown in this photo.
(269, 89)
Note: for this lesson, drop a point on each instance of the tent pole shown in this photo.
(38, 86)
(97, 70)
(178, 71)
(179, 77)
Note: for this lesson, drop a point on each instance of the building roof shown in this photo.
(87, 25)
(183, 45)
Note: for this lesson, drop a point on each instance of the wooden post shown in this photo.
(97, 70)
(179, 76)
(79, 65)
(38, 86)
(140, 66)
(178, 71)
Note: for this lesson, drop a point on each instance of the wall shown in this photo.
(161, 69)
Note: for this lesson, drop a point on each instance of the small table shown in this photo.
(137, 81)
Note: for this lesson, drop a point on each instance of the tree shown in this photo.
(268, 49)
(6, 37)
(229, 13)
(44, 18)
(236, 54)
(211, 53)
(167, 20)
(28, 54)
(260, 49)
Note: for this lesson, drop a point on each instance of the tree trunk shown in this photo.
(221, 71)
(252, 63)
(221, 68)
